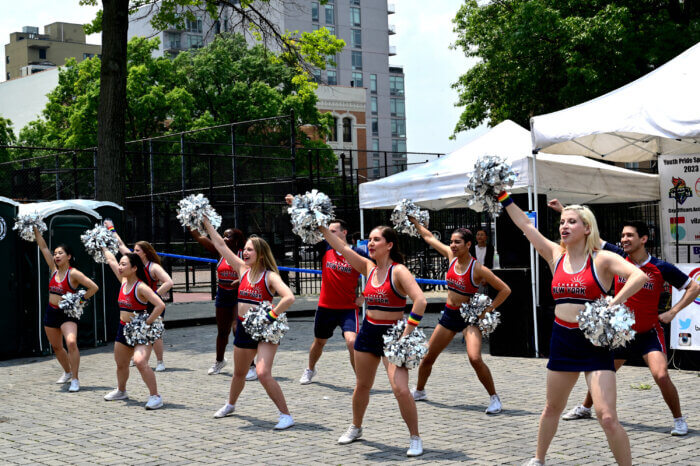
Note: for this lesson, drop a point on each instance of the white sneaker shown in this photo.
(534, 462)
(65, 378)
(494, 406)
(416, 446)
(350, 435)
(680, 427)
(579, 412)
(251, 375)
(285, 422)
(307, 376)
(217, 366)
(160, 367)
(116, 394)
(154, 402)
(74, 385)
(419, 395)
(225, 411)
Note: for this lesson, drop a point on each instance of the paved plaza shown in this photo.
(41, 423)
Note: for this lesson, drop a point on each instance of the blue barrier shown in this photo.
(425, 281)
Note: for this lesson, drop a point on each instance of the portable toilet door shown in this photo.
(9, 280)
(65, 222)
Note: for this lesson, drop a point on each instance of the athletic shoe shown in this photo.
(131, 363)
(251, 375)
(416, 446)
(680, 427)
(160, 367)
(534, 462)
(74, 385)
(217, 366)
(65, 378)
(116, 394)
(154, 402)
(285, 422)
(350, 435)
(419, 395)
(494, 406)
(225, 411)
(579, 412)
(307, 376)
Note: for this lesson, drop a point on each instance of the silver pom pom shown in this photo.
(260, 327)
(192, 210)
(24, 224)
(489, 323)
(405, 351)
(605, 325)
(72, 304)
(310, 211)
(491, 175)
(138, 332)
(404, 209)
(96, 239)
(472, 310)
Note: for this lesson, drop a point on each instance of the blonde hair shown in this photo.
(263, 255)
(588, 219)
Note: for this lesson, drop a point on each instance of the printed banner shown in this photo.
(685, 327)
(679, 181)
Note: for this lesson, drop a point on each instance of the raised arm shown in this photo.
(432, 241)
(166, 283)
(83, 279)
(359, 263)
(233, 260)
(407, 284)
(122, 247)
(281, 288)
(549, 250)
(145, 293)
(112, 262)
(204, 241)
(616, 265)
(45, 251)
(484, 273)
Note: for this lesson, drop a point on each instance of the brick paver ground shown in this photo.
(40, 423)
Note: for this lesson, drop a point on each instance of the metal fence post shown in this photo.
(233, 176)
(75, 175)
(386, 165)
(151, 180)
(183, 186)
(58, 181)
(94, 171)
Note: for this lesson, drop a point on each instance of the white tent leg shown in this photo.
(534, 275)
(362, 277)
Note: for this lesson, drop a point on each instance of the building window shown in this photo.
(172, 41)
(373, 104)
(373, 83)
(355, 2)
(195, 42)
(355, 17)
(7, 76)
(331, 29)
(314, 11)
(316, 75)
(226, 25)
(193, 25)
(334, 130)
(88, 55)
(356, 60)
(7, 59)
(398, 107)
(396, 85)
(398, 146)
(42, 54)
(375, 166)
(375, 127)
(375, 145)
(347, 130)
(330, 14)
(356, 79)
(398, 128)
(315, 27)
(356, 38)
(331, 78)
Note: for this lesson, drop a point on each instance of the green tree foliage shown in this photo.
(7, 138)
(539, 56)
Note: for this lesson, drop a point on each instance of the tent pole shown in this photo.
(534, 272)
(362, 277)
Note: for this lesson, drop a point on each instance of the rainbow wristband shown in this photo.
(110, 228)
(504, 199)
(272, 316)
(414, 319)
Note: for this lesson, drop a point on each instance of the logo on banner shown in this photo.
(695, 275)
(679, 191)
(697, 187)
(676, 228)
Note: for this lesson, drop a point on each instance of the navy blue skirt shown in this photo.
(570, 351)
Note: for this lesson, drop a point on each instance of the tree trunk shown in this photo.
(112, 105)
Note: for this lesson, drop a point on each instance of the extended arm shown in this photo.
(204, 241)
(233, 260)
(546, 248)
(112, 262)
(359, 263)
(407, 284)
(48, 257)
(281, 288)
(432, 241)
(691, 292)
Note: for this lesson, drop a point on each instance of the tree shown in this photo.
(539, 56)
(7, 138)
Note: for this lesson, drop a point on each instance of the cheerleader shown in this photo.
(57, 325)
(259, 282)
(581, 273)
(134, 297)
(388, 284)
(463, 277)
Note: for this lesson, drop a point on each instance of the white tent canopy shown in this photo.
(656, 114)
(440, 184)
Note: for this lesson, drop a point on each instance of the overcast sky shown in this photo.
(424, 33)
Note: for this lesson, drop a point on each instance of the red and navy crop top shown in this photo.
(62, 287)
(151, 281)
(225, 274)
(579, 287)
(129, 300)
(254, 293)
(461, 283)
(384, 297)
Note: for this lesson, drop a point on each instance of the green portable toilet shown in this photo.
(9, 280)
(66, 221)
(115, 212)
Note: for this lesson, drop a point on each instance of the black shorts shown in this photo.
(642, 344)
(54, 317)
(226, 298)
(326, 320)
(242, 339)
(452, 319)
(369, 339)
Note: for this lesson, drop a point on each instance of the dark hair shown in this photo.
(68, 251)
(389, 234)
(484, 230)
(136, 261)
(149, 251)
(343, 224)
(466, 234)
(237, 238)
(641, 227)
